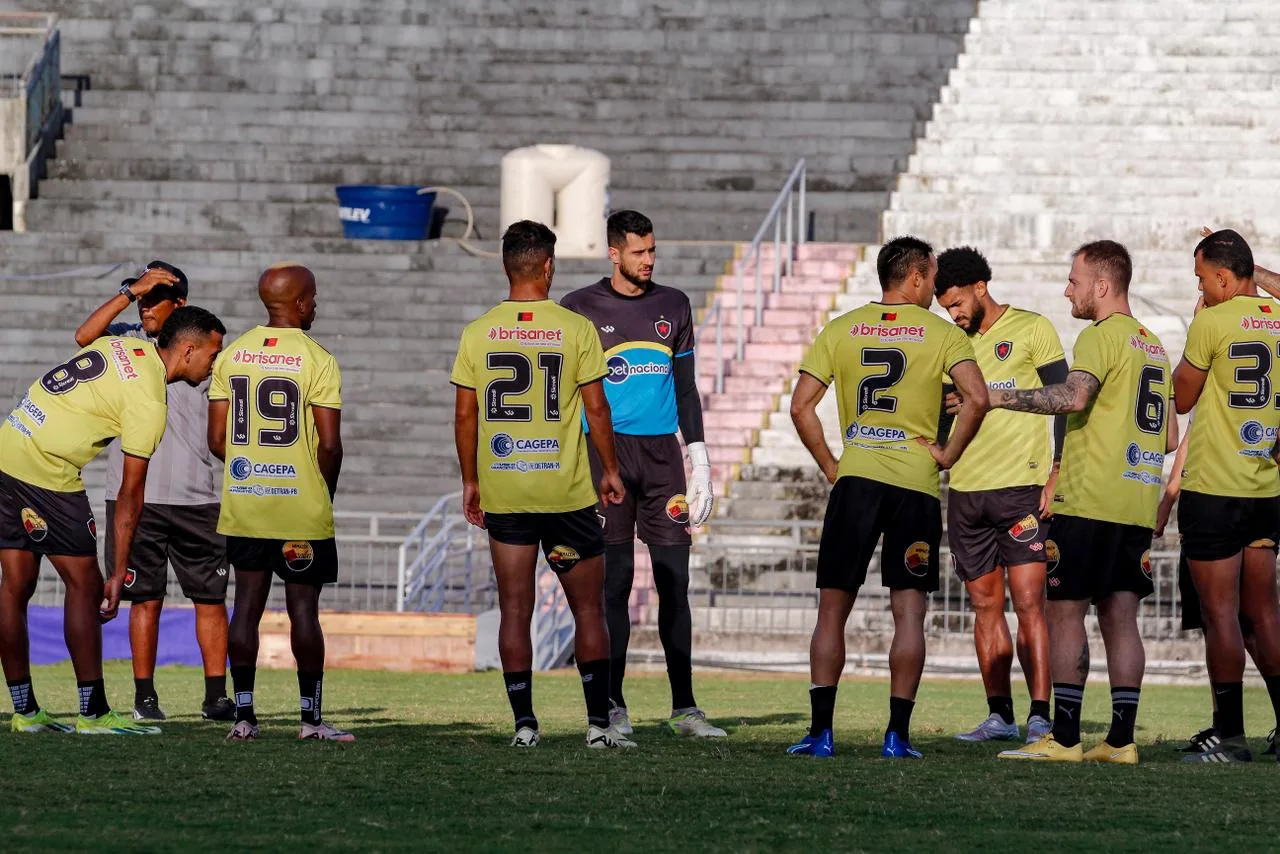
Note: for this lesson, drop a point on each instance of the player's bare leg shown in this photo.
(21, 570)
(211, 635)
(252, 590)
(584, 589)
(1069, 666)
(826, 663)
(1026, 589)
(906, 664)
(515, 568)
(144, 639)
(1126, 662)
(1219, 584)
(1261, 607)
(994, 648)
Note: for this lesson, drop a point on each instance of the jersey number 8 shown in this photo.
(84, 368)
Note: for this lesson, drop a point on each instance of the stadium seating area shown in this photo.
(216, 130)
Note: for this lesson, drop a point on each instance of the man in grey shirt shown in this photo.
(179, 518)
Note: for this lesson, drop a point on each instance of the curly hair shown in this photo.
(960, 267)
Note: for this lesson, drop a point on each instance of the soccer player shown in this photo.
(1001, 490)
(1229, 506)
(887, 360)
(179, 521)
(1120, 427)
(113, 388)
(647, 332)
(275, 418)
(526, 372)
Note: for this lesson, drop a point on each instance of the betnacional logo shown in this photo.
(563, 558)
(292, 363)
(620, 370)
(526, 337)
(1003, 350)
(298, 555)
(1026, 529)
(35, 526)
(916, 558)
(678, 509)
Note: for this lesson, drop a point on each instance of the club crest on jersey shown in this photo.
(563, 558)
(298, 555)
(678, 509)
(1145, 563)
(1003, 350)
(130, 576)
(36, 527)
(916, 558)
(1026, 529)
(663, 328)
(92, 525)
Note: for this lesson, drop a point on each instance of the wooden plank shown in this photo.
(373, 641)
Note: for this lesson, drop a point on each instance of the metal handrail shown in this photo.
(790, 198)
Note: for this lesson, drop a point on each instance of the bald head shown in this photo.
(289, 293)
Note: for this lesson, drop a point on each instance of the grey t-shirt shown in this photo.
(182, 471)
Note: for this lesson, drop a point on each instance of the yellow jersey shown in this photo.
(272, 487)
(1238, 414)
(526, 361)
(1113, 456)
(1011, 448)
(887, 362)
(113, 387)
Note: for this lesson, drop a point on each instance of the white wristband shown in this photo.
(698, 455)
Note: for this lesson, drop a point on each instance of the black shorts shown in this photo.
(294, 561)
(655, 506)
(1189, 596)
(44, 521)
(566, 538)
(859, 512)
(1091, 559)
(994, 528)
(1216, 526)
(182, 536)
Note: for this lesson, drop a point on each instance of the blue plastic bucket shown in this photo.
(384, 212)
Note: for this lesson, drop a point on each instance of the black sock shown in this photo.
(617, 672)
(143, 689)
(93, 698)
(215, 688)
(1039, 708)
(822, 700)
(675, 621)
(310, 690)
(1068, 701)
(619, 574)
(595, 690)
(520, 696)
(1273, 689)
(1230, 697)
(900, 710)
(1124, 714)
(24, 697)
(242, 677)
(1002, 706)
(1217, 720)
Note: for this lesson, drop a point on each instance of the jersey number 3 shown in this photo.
(496, 405)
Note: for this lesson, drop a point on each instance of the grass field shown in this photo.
(431, 771)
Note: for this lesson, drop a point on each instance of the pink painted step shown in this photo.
(812, 300)
(761, 370)
(731, 419)
(741, 386)
(762, 400)
(849, 252)
(833, 270)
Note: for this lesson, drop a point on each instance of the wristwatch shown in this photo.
(126, 291)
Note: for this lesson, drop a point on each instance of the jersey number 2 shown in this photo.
(871, 396)
(496, 407)
(275, 399)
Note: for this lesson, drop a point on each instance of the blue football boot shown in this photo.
(822, 746)
(899, 748)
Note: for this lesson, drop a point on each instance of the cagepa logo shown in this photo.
(1253, 432)
(1135, 456)
(872, 433)
(502, 445)
(243, 468)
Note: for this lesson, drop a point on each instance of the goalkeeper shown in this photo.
(648, 337)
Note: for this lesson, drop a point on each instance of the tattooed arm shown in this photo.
(1074, 395)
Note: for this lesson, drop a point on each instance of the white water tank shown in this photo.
(564, 187)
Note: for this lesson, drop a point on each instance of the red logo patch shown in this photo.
(139, 352)
(524, 317)
(889, 315)
(1266, 309)
(1003, 350)
(269, 342)
(663, 328)
(130, 576)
